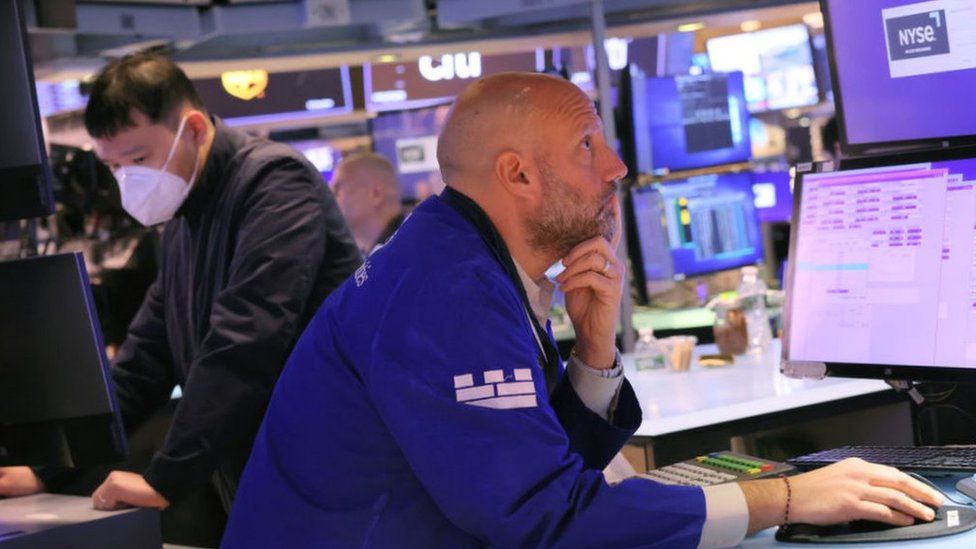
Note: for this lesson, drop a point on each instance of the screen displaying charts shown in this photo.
(905, 69)
(698, 225)
(778, 64)
(885, 266)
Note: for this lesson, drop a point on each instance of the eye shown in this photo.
(588, 143)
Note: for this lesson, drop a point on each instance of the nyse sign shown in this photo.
(917, 35)
(458, 65)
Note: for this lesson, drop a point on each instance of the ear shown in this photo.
(515, 173)
(196, 126)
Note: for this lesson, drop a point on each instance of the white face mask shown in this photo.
(152, 196)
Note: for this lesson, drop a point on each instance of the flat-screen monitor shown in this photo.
(57, 402)
(686, 122)
(25, 178)
(250, 97)
(697, 226)
(777, 62)
(882, 269)
(409, 140)
(61, 96)
(904, 71)
(772, 196)
(320, 153)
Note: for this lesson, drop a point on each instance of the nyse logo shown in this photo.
(459, 65)
(917, 35)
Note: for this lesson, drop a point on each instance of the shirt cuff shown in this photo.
(597, 389)
(726, 516)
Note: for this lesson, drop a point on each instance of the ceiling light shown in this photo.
(691, 27)
(749, 26)
(814, 20)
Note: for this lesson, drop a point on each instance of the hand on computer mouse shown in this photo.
(854, 489)
(846, 491)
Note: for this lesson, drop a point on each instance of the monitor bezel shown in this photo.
(862, 370)
(879, 147)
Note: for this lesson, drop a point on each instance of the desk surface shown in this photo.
(680, 401)
(766, 538)
(51, 520)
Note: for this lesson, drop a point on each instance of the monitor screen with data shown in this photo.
(697, 226)
(686, 122)
(904, 70)
(884, 269)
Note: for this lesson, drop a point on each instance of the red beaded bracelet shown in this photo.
(789, 498)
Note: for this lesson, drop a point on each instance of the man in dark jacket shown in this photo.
(253, 243)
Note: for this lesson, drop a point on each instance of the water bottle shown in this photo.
(648, 352)
(752, 294)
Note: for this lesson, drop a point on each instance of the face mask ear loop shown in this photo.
(172, 148)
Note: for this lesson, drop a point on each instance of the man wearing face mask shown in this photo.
(253, 243)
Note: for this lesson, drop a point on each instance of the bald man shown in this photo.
(426, 404)
(368, 193)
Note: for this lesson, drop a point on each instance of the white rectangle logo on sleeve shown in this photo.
(497, 393)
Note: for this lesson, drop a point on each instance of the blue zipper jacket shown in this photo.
(414, 412)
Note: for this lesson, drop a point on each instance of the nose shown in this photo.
(616, 169)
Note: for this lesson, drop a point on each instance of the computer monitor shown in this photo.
(25, 178)
(777, 62)
(409, 140)
(686, 122)
(256, 97)
(57, 402)
(904, 71)
(772, 196)
(881, 271)
(696, 226)
(320, 153)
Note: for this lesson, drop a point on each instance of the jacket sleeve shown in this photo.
(142, 371)
(254, 321)
(496, 459)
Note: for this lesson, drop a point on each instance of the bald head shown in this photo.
(503, 112)
(372, 167)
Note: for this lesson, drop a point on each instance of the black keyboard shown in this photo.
(922, 459)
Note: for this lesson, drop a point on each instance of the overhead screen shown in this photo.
(24, 174)
(905, 71)
(686, 122)
(261, 97)
(409, 140)
(697, 226)
(777, 62)
(884, 264)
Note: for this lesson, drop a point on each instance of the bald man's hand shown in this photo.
(593, 284)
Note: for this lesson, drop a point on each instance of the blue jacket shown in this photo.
(413, 412)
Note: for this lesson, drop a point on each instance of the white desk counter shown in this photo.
(680, 401)
(689, 413)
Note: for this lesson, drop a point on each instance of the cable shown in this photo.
(937, 489)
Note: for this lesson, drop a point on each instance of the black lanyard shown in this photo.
(548, 354)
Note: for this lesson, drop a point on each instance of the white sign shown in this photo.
(417, 154)
(449, 67)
